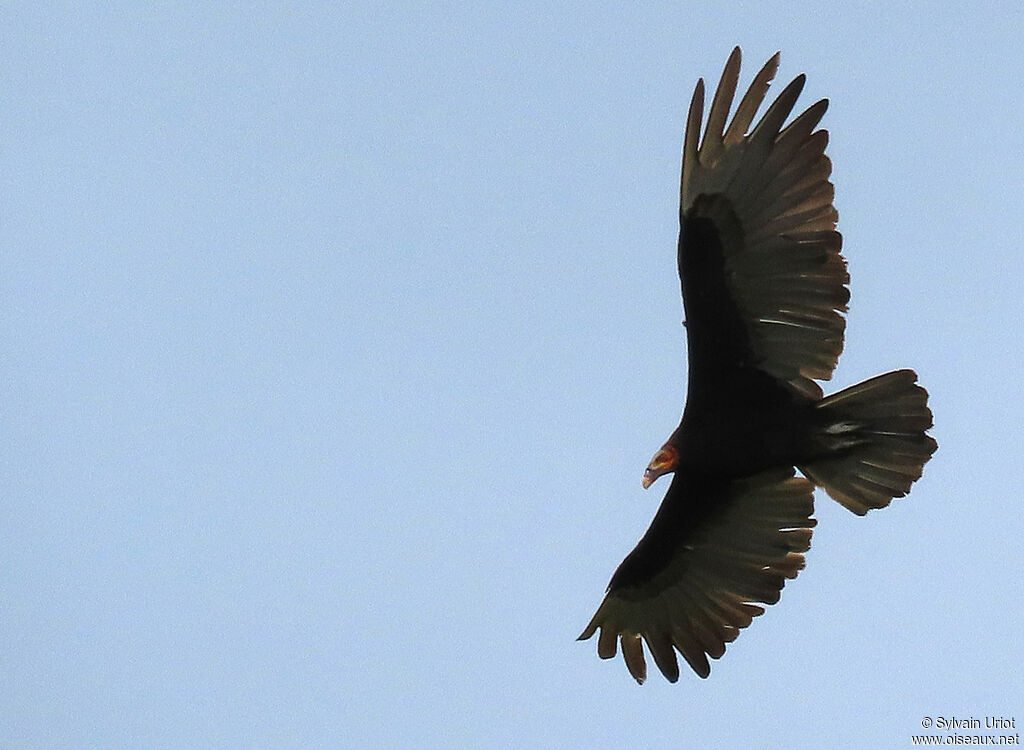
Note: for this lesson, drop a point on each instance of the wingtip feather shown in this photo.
(714, 131)
(633, 655)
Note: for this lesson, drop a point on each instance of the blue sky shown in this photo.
(336, 339)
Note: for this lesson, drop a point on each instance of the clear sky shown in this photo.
(336, 338)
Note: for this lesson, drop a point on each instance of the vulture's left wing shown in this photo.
(715, 547)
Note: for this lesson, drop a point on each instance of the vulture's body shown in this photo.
(764, 288)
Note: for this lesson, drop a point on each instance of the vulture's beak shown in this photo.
(664, 461)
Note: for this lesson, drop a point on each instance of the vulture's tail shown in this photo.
(876, 441)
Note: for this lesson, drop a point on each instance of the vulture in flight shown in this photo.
(764, 291)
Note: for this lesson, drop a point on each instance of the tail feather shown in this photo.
(875, 441)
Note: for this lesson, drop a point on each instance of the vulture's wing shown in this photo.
(762, 278)
(715, 547)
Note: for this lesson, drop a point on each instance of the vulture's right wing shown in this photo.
(763, 282)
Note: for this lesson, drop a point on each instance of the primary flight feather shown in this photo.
(764, 291)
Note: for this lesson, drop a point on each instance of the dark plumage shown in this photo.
(764, 288)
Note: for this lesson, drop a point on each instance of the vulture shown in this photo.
(764, 290)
